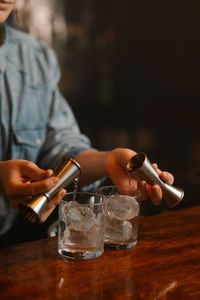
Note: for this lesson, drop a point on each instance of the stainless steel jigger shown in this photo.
(67, 170)
(141, 167)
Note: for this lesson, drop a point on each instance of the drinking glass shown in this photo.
(80, 226)
(121, 207)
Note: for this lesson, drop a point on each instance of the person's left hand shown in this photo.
(116, 168)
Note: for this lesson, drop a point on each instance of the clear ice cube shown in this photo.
(66, 208)
(117, 230)
(80, 218)
(84, 239)
(122, 207)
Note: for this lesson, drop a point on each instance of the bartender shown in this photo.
(38, 127)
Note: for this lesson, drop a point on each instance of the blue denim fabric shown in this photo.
(36, 122)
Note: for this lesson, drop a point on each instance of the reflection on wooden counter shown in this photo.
(165, 264)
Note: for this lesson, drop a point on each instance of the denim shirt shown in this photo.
(36, 122)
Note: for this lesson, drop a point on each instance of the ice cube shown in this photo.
(80, 218)
(66, 208)
(122, 207)
(84, 239)
(117, 230)
(95, 236)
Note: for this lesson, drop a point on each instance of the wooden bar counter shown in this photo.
(165, 264)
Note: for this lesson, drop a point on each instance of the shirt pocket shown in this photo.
(27, 143)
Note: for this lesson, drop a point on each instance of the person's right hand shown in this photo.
(20, 179)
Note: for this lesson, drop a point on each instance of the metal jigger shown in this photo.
(67, 170)
(140, 166)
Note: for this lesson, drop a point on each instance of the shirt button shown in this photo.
(38, 141)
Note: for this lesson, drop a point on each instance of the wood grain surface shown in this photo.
(165, 264)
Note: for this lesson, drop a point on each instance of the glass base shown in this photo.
(80, 254)
(119, 246)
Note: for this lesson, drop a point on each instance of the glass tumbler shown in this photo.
(121, 208)
(80, 226)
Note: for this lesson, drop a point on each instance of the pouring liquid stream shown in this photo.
(129, 181)
(76, 181)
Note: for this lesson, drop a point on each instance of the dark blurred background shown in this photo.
(130, 71)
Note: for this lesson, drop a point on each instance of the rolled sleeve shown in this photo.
(63, 135)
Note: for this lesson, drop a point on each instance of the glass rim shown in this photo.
(118, 186)
(137, 193)
(83, 193)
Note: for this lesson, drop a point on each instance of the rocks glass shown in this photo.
(80, 226)
(121, 212)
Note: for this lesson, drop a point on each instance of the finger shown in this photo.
(155, 194)
(58, 197)
(52, 204)
(167, 177)
(33, 188)
(155, 166)
(40, 174)
(32, 171)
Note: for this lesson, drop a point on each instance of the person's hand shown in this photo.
(54, 201)
(116, 168)
(20, 179)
